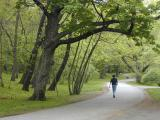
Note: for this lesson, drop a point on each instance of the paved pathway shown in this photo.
(103, 107)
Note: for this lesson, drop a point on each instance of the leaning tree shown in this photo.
(70, 21)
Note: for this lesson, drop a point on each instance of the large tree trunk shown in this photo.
(14, 67)
(41, 75)
(61, 69)
(138, 77)
(27, 76)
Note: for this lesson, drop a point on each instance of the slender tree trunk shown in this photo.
(87, 73)
(80, 79)
(75, 69)
(82, 62)
(61, 69)
(79, 74)
(1, 79)
(71, 69)
(7, 49)
(15, 67)
(27, 76)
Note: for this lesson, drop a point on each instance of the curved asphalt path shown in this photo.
(103, 107)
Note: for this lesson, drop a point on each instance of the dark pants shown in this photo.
(114, 87)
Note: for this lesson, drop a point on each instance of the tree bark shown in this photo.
(27, 76)
(42, 74)
(61, 69)
(15, 67)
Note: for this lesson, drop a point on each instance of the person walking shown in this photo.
(114, 83)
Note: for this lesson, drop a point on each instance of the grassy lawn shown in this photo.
(135, 83)
(154, 93)
(14, 101)
(141, 84)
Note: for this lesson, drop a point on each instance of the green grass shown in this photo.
(135, 83)
(94, 85)
(15, 101)
(140, 84)
(154, 93)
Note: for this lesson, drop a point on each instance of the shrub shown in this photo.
(152, 76)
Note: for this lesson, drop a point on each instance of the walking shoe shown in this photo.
(113, 96)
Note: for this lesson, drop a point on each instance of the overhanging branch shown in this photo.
(106, 23)
(92, 32)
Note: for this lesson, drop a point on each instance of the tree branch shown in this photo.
(128, 65)
(145, 68)
(106, 23)
(41, 6)
(92, 32)
(100, 14)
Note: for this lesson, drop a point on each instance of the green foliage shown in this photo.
(152, 76)
(156, 34)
